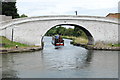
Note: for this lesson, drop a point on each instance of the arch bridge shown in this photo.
(32, 29)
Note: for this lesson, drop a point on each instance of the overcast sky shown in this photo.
(67, 7)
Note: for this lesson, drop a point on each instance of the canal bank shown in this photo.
(96, 47)
(20, 50)
(7, 46)
(82, 42)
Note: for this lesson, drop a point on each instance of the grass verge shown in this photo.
(78, 40)
(81, 40)
(114, 45)
(6, 43)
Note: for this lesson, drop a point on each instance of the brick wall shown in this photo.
(114, 15)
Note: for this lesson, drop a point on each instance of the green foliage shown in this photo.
(9, 9)
(8, 0)
(8, 43)
(60, 30)
(114, 45)
(69, 32)
(77, 32)
(0, 8)
(23, 15)
(51, 32)
(78, 40)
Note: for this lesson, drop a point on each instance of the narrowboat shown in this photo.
(57, 41)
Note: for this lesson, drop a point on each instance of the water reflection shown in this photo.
(8, 70)
(89, 56)
(67, 62)
(0, 66)
(66, 57)
(84, 62)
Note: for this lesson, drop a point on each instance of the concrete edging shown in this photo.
(89, 47)
(19, 50)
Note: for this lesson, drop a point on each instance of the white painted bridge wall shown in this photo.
(31, 30)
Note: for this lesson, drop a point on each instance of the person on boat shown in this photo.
(57, 36)
(60, 38)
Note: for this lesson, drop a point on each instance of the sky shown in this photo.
(67, 7)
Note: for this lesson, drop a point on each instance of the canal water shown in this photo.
(66, 62)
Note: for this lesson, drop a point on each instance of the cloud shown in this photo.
(64, 7)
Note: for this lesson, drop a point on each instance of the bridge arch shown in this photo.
(88, 34)
(31, 30)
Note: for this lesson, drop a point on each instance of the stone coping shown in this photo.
(57, 17)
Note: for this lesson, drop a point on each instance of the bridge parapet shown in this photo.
(63, 17)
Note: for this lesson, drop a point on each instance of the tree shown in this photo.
(23, 15)
(8, 0)
(9, 9)
(0, 7)
(60, 30)
(51, 32)
(66, 31)
(77, 31)
(70, 32)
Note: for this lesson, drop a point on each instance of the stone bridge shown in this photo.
(31, 30)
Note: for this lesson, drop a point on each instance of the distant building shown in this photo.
(114, 15)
